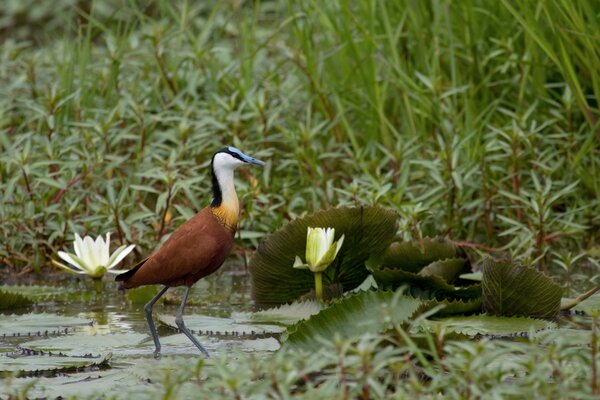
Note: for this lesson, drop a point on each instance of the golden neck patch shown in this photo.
(227, 215)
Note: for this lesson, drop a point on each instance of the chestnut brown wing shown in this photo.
(196, 249)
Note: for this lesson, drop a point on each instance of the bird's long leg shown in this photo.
(148, 311)
(183, 328)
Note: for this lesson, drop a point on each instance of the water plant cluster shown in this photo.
(472, 126)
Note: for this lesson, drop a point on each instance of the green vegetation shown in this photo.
(475, 120)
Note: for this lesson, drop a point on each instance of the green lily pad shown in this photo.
(488, 325)
(356, 314)
(38, 324)
(447, 269)
(41, 293)
(31, 363)
(11, 300)
(367, 230)
(286, 314)
(427, 287)
(511, 289)
(453, 307)
(214, 326)
(173, 344)
(81, 343)
(414, 256)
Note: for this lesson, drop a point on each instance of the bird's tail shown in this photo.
(126, 275)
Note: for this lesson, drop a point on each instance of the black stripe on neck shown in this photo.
(216, 188)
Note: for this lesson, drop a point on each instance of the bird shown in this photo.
(198, 247)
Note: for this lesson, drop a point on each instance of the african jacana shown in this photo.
(198, 247)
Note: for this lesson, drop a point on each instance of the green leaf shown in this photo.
(413, 256)
(83, 343)
(286, 314)
(488, 325)
(427, 287)
(356, 314)
(367, 230)
(38, 324)
(215, 326)
(448, 269)
(511, 289)
(10, 300)
(452, 307)
(29, 363)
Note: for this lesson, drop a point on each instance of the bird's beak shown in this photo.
(254, 161)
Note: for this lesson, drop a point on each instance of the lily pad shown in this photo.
(32, 363)
(447, 269)
(510, 289)
(367, 230)
(11, 300)
(356, 314)
(214, 326)
(38, 324)
(286, 314)
(453, 307)
(414, 256)
(489, 325)
(427, 287)
(81, 343)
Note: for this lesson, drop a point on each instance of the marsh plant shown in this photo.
(92, 257)
(321, 250)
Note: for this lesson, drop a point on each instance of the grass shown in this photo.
(475, 119)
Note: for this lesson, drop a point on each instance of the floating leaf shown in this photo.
(367, 230)
(427, 287)
(453, 307)
(81, 343)
(489, 325)
(214, 326)
(32, 363)
(413, 256)
(179, 342)
(286, 314)
(510, 289)
(11, 300)
(38, 324)
(39, 293)
(359, 313)
(447, 269)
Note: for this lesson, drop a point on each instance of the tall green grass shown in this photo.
(473, 119)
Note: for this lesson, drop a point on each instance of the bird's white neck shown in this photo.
(225, 205)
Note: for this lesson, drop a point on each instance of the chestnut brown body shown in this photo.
(196, 249)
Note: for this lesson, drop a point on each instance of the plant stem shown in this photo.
(319, 285)
(579, 299)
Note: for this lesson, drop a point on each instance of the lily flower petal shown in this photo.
(119, 255)
(65, 268)
(299, 264)
(73, 260)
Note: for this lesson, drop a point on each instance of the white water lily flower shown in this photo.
(93, 258)
(321, 250)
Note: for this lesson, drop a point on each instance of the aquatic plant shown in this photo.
(321, 250)
(93, 258)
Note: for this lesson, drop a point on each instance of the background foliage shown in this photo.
(475, 119)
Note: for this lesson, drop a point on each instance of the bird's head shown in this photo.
(229, 158)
